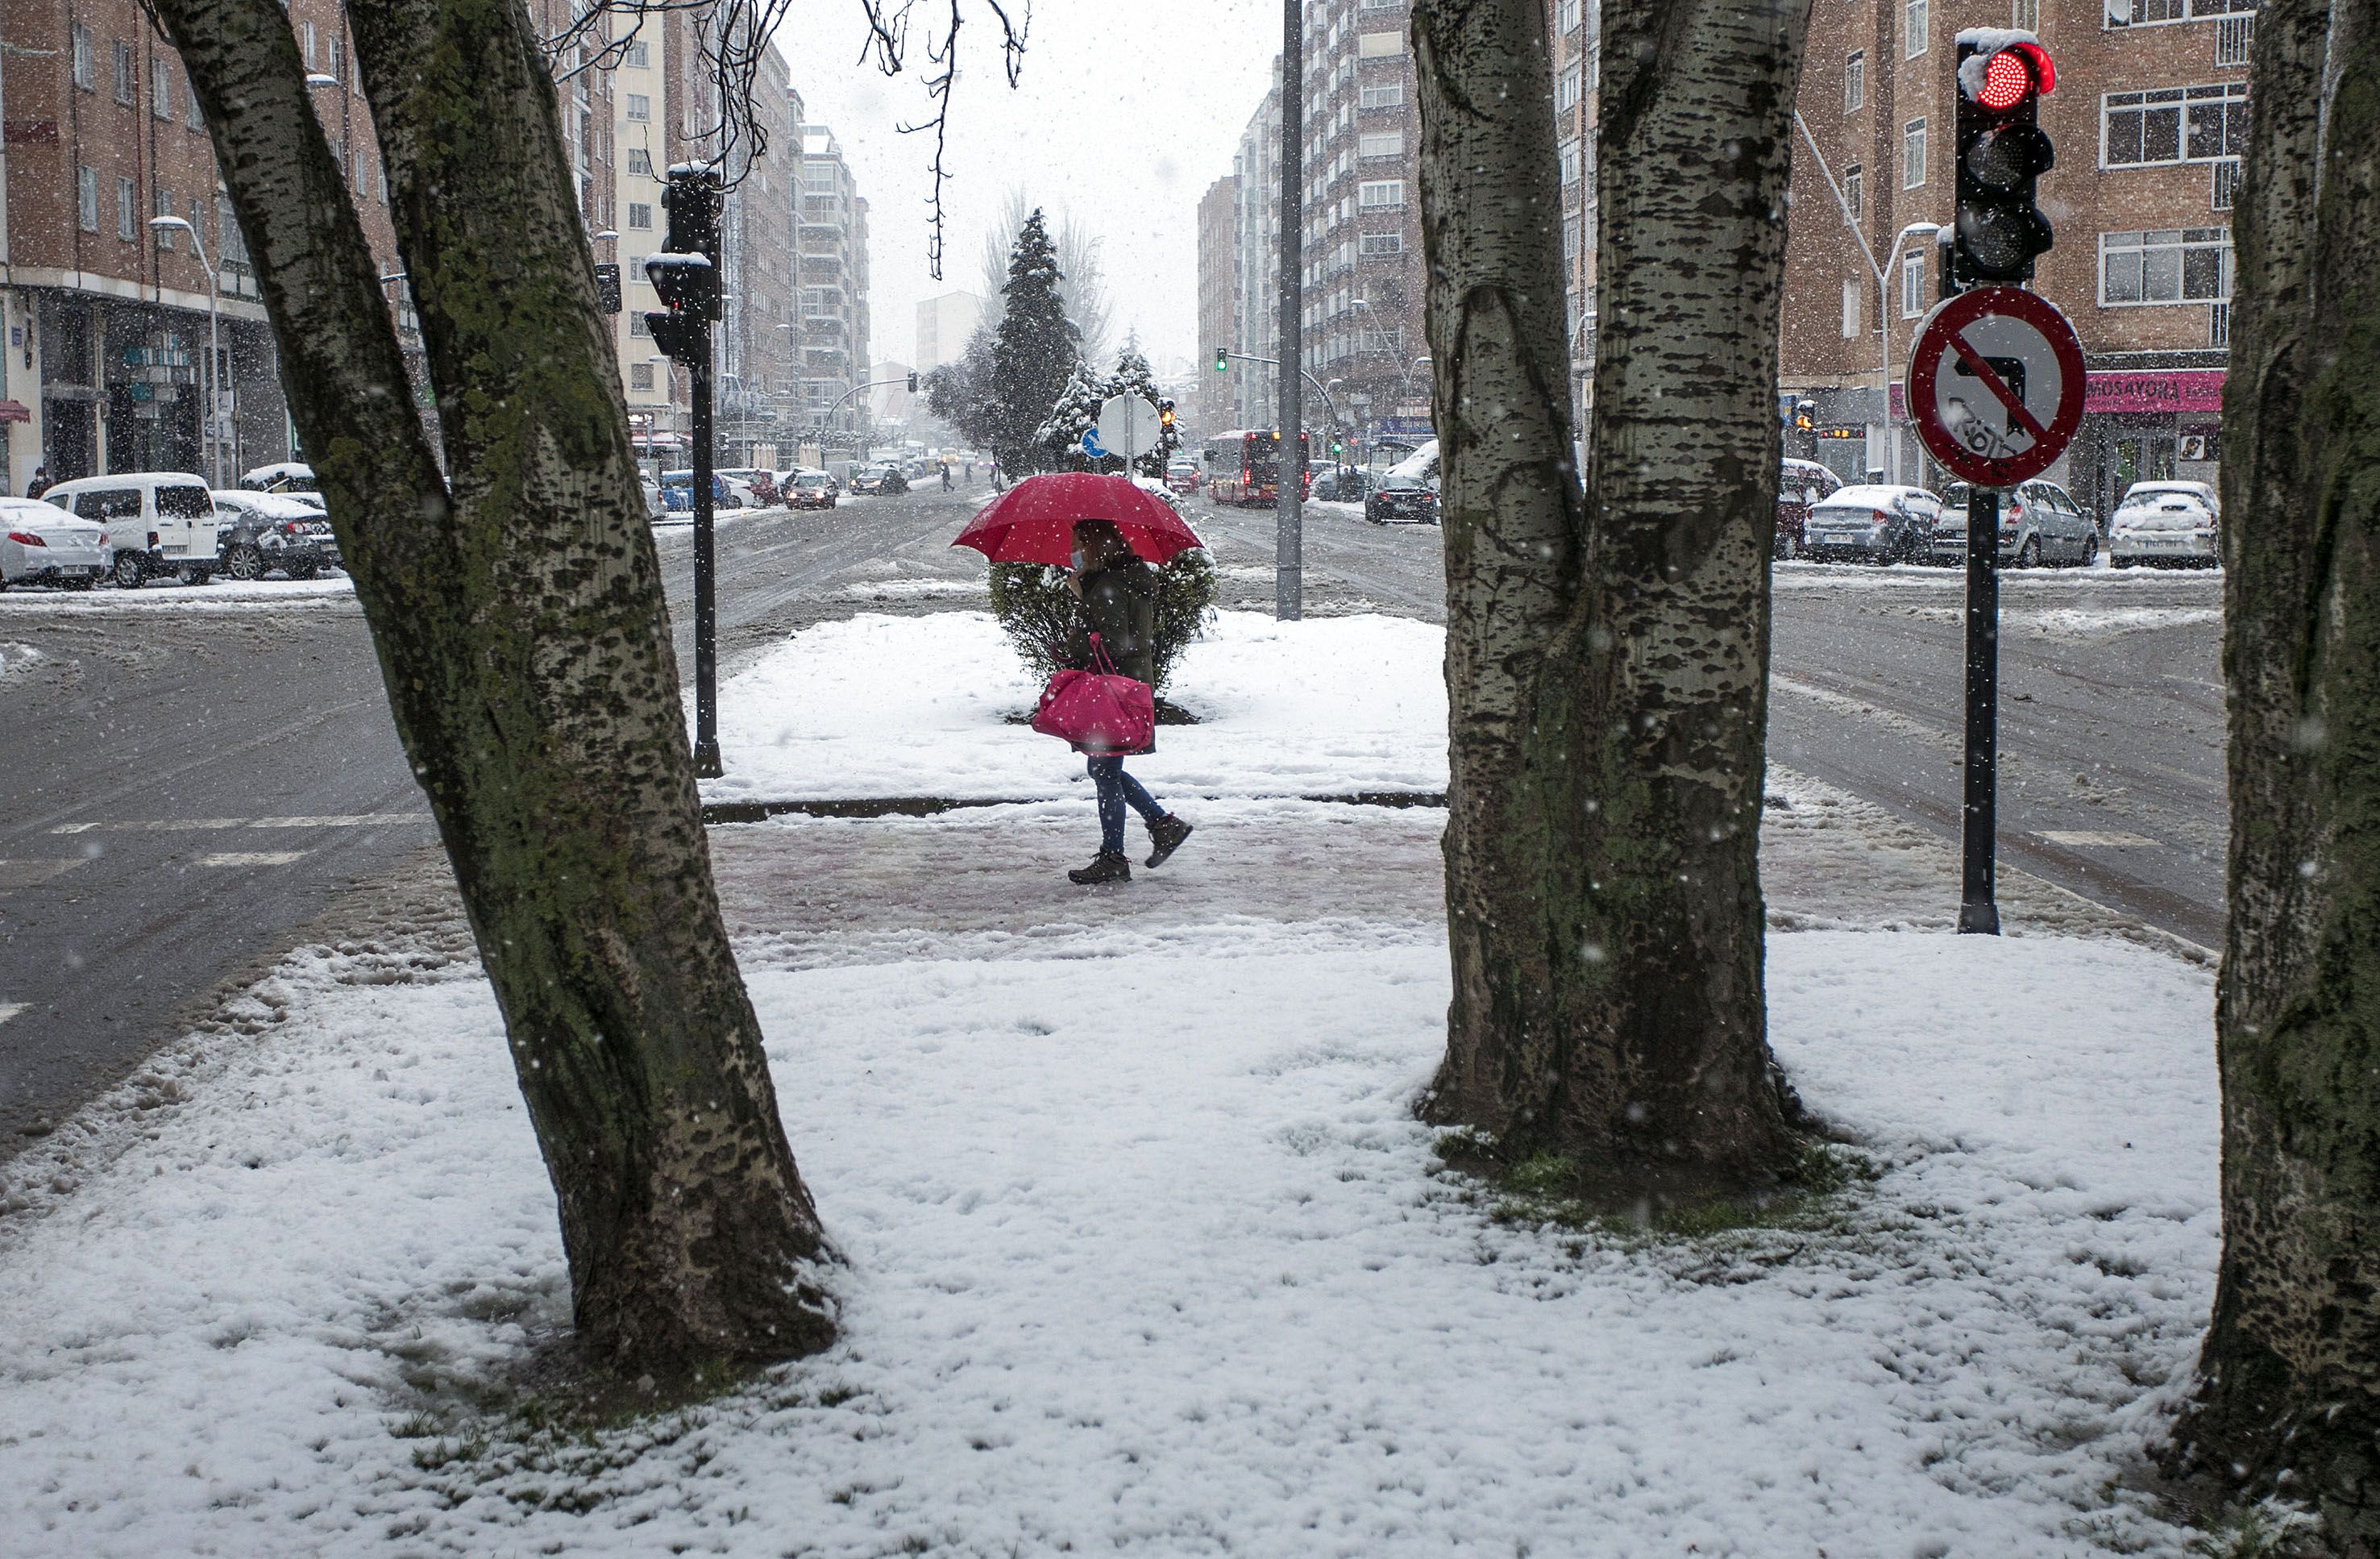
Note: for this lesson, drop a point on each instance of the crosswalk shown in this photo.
(34, 872)
(180, 825)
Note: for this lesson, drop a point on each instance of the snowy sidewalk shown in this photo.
(1147, 1254)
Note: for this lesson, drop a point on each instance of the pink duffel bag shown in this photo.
(1099, 712)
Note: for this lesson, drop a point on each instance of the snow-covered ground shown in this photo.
(880, 706)
(1806, 575)
(1147, 1256)
(220, 595)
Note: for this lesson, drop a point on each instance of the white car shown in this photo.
(41, 544)
(2201, 490)
(158, 522)
(2163, 528)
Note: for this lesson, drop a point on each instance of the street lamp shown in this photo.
(315, 78)
(207, 422)
(1884, 323)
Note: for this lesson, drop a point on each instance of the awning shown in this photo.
(15, 412)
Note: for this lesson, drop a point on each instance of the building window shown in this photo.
(161, 89)
(1855, 81)
(1912, 286)
(1384, 94)
(83, 75)
(1381, 243)
(1851, 308)
(1380, 45)
(640, 375)
(309, 35)
(127, 211)
(231, 246)
(2227, 181)
(162, 203)
(1912, 27)
(640, 215)
(640, 161)
(640, 108)
(2235, 40)
(198, 119)
(1913, 154)
(1570, 241)
(1379, 193)
(2177, 265)
(87, 199)
(1389, 145)
(636, 325)
(639, 56)
(1567, 87)
(123, 73)
(1565, 16)
(2175, 125)
(2025, 14)
(1571, 163)
(1853, 179)
(2153, 13)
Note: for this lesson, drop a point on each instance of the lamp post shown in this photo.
(1884, 321)
(206, 437)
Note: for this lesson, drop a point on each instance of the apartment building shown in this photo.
(1575, 30)
(1254, 393)
(657, 410)
(107, 313)
(832, 257)
(2148, 118)
(945, 325)
(1222, 296)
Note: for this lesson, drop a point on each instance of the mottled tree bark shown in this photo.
(2290, 1392)
(1606, 650)
(515, 604)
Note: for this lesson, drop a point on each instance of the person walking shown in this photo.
(40, 483)
(946, 476)
(1118, 597)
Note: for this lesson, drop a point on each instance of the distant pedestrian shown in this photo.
(1118, 596)
(40, 483)
(946, 476)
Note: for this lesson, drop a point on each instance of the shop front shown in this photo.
(2160, 424)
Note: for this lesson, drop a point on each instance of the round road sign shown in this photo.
(1996, 384)
(1128, 425)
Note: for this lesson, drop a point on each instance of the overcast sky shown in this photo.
(1125, 113)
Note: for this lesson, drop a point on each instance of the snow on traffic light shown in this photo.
(2002, 76)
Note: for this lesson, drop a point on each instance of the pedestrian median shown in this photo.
(877, 715)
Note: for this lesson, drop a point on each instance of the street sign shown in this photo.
(1996, 386)
(1128, 426)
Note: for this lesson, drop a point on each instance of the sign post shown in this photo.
(1994, 393)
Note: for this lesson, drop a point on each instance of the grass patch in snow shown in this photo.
(1549, 1189)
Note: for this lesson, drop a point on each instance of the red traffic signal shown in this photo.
(2005, 76)
(1998, 225)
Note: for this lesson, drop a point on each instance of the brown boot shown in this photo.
(1104, 868)
(1166, 834)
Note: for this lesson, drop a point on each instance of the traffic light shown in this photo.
(607, 286)
(1165, 415)
(2001, 151)
(686, 273)
(1338, 446)
(1222, 359)
(913, 384)
(1805, 415)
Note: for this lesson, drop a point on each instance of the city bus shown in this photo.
(1243, 467)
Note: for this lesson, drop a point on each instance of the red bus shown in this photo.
(1243, 467)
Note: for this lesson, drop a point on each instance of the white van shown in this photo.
(157, 522)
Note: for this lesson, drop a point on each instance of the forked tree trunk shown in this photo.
(517, 609)
(1606, 651)
(2290, 1394)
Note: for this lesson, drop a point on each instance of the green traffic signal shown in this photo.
(1222, 359)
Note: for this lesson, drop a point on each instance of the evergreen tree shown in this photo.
(960, 393)
(1035, 351)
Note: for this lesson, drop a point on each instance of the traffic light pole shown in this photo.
(707, 763)
(1289, 540)
(1978, 909)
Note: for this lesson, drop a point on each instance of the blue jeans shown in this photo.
(1115, 788)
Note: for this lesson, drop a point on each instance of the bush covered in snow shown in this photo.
(1037, 611)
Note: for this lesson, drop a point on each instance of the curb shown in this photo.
(717, 812)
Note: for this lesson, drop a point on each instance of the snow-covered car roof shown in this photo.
(271, 506)
(1422, 462)
(1872, 494)
(25, 514)
(2202, 491)
(284, 470)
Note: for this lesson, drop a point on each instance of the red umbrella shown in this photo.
(1034, 521)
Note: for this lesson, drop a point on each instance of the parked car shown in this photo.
(1801, 486)
(2208, 499)
(1873, 523)
(282, 476)
(2164, 527)
(42, 545)
(677, 491)
(756, 487)
(1182, 477)
(1345, 484)
(1422, 463)
(1402, 497)
(656, 507)
(157, 522)
(812, 490)
(2038, 524)
(262, 531)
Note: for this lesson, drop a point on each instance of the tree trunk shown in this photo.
(517, 609)
(2290, 1392)
(1606, 651)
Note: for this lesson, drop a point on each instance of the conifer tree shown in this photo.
(1036, 351)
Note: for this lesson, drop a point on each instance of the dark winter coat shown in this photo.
(1120, 605)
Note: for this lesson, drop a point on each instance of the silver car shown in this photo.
(1872, 523)
(2038, 524)
(41, 544)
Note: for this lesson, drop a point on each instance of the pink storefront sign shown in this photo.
(2191, 389)
(2197, 389)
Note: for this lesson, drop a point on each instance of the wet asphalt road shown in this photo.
(192, 778)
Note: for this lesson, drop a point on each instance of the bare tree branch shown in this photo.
(733, 37)
(888, 37)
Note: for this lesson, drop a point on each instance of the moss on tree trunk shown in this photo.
(1607, 649)
(515, 604)
(2291, 1375)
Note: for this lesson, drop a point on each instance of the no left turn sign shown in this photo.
(1996, 386)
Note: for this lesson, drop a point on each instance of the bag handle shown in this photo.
(1100, 657)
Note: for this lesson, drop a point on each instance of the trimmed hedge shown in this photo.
(1036, 611)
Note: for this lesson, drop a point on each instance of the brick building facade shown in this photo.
(2148, 117)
